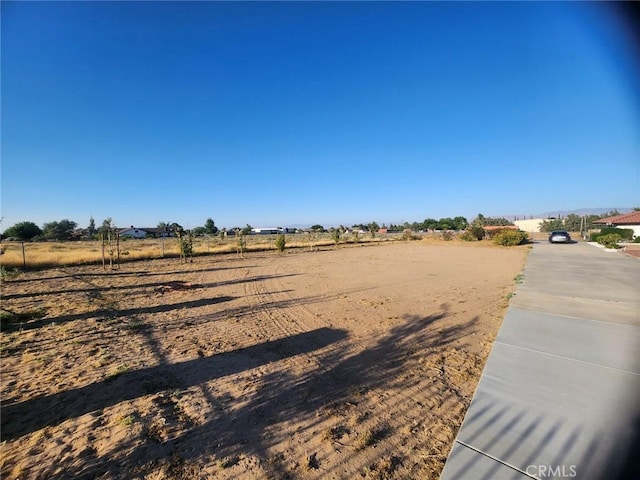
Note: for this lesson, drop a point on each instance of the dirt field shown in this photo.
(342, 363)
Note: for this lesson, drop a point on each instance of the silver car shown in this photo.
(559, 236)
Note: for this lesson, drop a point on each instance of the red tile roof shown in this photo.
(632, 218)
(499, 227)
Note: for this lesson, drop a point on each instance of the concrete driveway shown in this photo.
(560, 394)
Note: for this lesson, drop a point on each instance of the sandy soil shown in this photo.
(341, 363)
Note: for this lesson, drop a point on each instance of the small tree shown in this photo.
(373, 228)
(106, 227)
(185, 242)
(280, 242)
(335, 236)
(110, 240)
(311, 235)
(241, 243)
(91, 229)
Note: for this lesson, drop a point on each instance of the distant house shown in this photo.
(271, 230)
(531, 225)
(140, 232)
(628, 220)
(266, 231)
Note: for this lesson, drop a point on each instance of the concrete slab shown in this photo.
(468, 464)
(609, 345)
(545, 410)
(560, 394)
(581, 281)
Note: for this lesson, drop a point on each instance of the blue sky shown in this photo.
(300, 113)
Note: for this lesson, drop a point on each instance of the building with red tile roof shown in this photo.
(628, 220)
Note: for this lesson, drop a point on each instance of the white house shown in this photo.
(134, 232)
(531, 225)
(272, 230)
(628, 220)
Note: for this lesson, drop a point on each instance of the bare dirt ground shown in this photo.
(342, 363)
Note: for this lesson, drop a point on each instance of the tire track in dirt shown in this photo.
(281, 316)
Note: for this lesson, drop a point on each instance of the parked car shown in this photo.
(559, 236)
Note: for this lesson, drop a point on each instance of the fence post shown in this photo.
(104, 264)
(24, 258)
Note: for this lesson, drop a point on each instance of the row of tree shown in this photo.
(67, 230)
(575, 223)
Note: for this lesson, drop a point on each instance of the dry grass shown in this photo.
(53, 254)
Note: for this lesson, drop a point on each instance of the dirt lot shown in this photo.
(351, 363)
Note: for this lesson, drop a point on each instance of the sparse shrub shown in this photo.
(8, 317)
(509, 237)
(447, 235)
(227, 462)
(112, 375)
(335, 433)
(280, 242)
(625, 233)
(134, 325)
(8, 274)
(408, 235)
(467, 236)
(610, 240)
(356, 236)
(127, 420)
(371, 436)
(311, 462)
(335, 236)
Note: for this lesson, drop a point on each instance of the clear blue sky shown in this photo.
(300, 113)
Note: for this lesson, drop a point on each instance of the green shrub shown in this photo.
(477, 231)
(467, 236)
(610, 240)
(335, 236)
(280, 242)
(625, 233)
(637, 239)
(491, 234)
(472, 233)
(509, 237)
